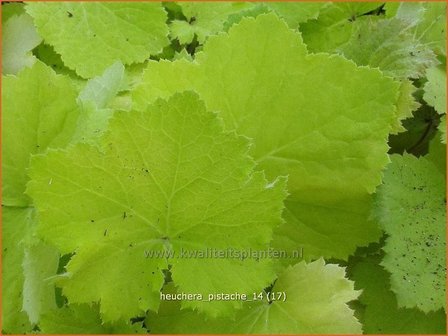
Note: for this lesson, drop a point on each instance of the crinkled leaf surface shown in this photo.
(90, 36)
(267, 84)
(390, 46)
(45, 118)
(84, 319)
(435, 88)
(165, 178)
(382, 314)
(316, 303)
(267, 114)
(411, 207)
(19, 37)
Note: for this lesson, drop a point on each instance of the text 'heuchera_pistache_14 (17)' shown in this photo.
(223, 167)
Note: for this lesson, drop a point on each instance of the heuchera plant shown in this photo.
(134, 133)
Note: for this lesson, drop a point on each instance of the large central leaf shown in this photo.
(167, 178)
(318, 118)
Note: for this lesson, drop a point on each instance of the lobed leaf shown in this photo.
(165, 179)
(91, 36)
(265, 86)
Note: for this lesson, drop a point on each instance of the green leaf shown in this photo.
(84, 319)
(100, 90)
(419, 130)
(183, 54)
(292, 13)
(432, 28)
(435, 88)
(204, 19)
(391, 8)
(19, 37)
(390, 46)
(172, 319)
(316, 303)
(45, 119)
(91, 36)
(182, 31)
(10, 9)
(268, 115)
(167, 178)
(28, 267)
(295, 13)
(382, 314)
(427, 22)
(406, 105)
(47, 55)
(16, 223)
(410, 12)
(437, 150)
(259, 8)
(266, 84)
(327, 224)
(95, 99)
(40, 264)
(442, 129)
(161, 79)
(334, 25)
(411, 208)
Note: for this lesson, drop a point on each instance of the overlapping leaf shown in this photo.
(95, 100)
(15, 225)
(316, 303)
(84, 319)
(263, 88)
(91, 36)
(45, 118)
(390, 46)
(334, 25)
(203, 19)
(164, 179)
(381, 314)
(19, 37)
(411, 207)
(27, 266)
(435, 88)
